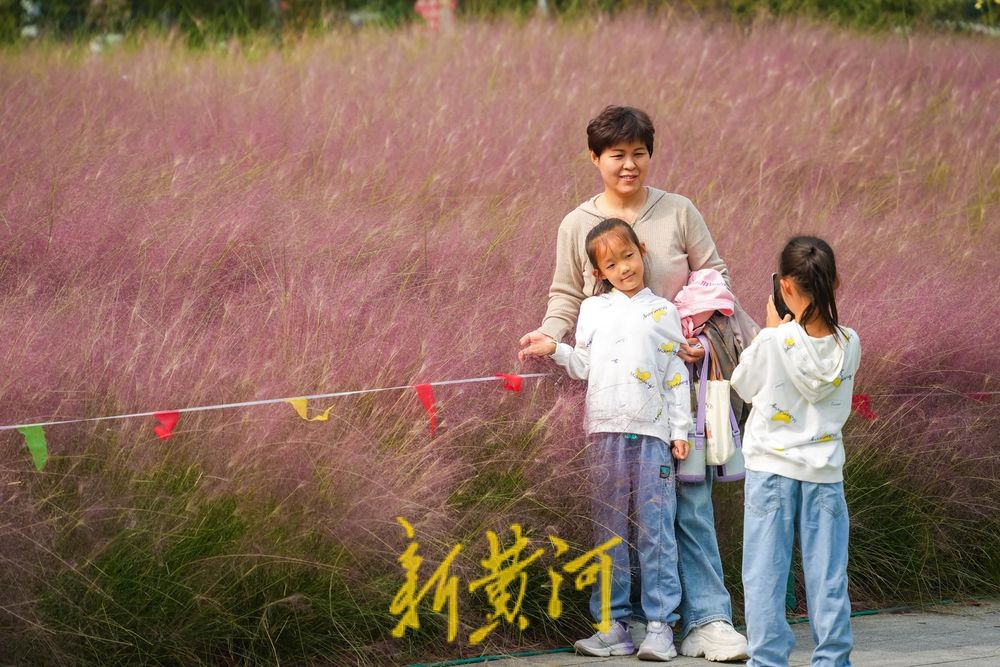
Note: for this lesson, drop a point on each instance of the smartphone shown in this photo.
(779, 303)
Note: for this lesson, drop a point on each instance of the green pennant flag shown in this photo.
(34, 436)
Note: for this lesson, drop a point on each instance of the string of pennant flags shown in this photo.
(166, 420)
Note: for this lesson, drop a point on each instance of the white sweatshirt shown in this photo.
(801, 390)
(626, 349)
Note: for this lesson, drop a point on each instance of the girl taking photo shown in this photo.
(799, 375)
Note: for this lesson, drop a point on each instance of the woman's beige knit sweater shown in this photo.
(677, 243)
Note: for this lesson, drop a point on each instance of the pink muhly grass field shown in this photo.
(378, 208)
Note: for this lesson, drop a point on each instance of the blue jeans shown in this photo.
(775, 507)
(704, 597)
(636, 472)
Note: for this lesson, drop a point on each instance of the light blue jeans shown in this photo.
(634, 475)
(704, 597)
(775, 506)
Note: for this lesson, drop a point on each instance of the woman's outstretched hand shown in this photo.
(692, 352)
(535, 344)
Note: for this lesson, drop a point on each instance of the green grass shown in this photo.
(909, 539)
(204, 23)
(185, 575)
(175, 571)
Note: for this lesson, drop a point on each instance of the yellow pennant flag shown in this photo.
(301, 407)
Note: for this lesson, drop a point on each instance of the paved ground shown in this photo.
(954, 635)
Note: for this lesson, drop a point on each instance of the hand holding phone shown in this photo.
(779, 303)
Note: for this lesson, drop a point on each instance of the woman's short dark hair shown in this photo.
(617, 124)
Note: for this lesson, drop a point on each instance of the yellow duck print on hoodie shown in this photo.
(642, 376)
(657, 314)
(782, 415)
(843, 376)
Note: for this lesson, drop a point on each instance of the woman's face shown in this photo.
(623, 168)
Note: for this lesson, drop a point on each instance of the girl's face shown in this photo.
(623, 168)
(620, 262)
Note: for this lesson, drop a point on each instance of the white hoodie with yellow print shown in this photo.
(801, 389)
(626, 349)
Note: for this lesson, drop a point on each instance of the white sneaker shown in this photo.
(717, 641)
(637, 630)
(659, 643)
(616, 641)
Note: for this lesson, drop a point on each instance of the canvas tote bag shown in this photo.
(719, 436)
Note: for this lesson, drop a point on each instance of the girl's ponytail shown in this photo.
(809, 261)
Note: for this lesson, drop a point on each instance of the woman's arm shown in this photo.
(703, 254)
(699, 245)
(566, 291)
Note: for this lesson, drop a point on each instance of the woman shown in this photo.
(678, 242)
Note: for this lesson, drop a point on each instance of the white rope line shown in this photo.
(957, 394)
(356, 392)
(270, 401)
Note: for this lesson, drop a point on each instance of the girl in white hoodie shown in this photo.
(799, 375)
(639, 412)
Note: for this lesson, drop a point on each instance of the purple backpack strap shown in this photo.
(733, 470)
(699, 424)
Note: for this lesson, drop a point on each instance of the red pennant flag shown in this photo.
(862, 403)
(980, 396)
(168, 420)
(510, 382)
(426, 394)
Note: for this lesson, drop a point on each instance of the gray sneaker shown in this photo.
(615, 641)
(659, 643)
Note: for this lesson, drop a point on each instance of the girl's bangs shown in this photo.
(624, 234)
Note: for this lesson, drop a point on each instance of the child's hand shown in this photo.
(691, 353)
(680, 449)
(536, 344)
(772, 314)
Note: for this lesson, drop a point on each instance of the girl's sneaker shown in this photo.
(659, 643)
(615, 641)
